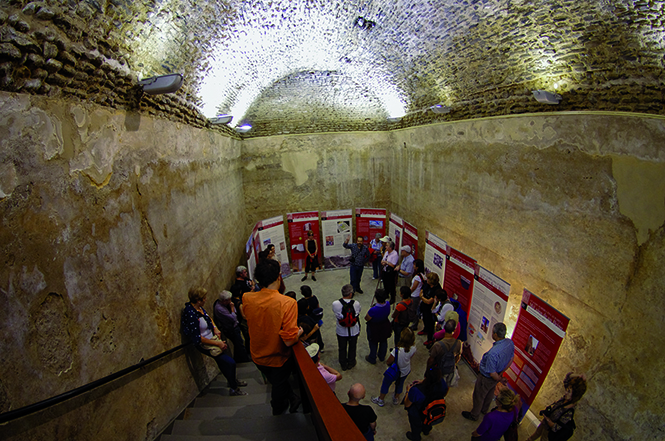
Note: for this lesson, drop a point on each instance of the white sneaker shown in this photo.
(396, 400)
(378, 401)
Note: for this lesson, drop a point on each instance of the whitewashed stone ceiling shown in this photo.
(313, 65)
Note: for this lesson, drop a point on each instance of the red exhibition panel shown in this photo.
(370, 221)
(410, 238)
(299, 226)
(458, 279)
(538, 334)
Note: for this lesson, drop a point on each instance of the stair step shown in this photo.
(213, 400)
(296, 423)
(211, 413)
(287, 435)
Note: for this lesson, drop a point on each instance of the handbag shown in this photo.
(455, 381)
(212, 349)
(511, 433)
(393, 373)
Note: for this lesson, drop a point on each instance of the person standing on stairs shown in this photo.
(273, 329)
(197, 325)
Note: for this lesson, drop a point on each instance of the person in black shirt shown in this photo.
(240, 286)
(362, 415)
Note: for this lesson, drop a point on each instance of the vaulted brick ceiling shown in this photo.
(291, 66)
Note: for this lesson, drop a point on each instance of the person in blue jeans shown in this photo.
(378, 327)
(359, 256)
(401, 355)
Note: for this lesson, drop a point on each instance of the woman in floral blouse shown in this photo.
(197, 325)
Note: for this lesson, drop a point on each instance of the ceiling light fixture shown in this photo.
(363, 23)
(244, 128)
(545, 97)
(221, 119)
(440, 108)
(161, 84)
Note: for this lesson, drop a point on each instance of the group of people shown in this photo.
(264, 324)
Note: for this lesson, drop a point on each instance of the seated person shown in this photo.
(227, 320)
(329, 374)
(198, 327)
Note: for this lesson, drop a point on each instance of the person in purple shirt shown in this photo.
(378, 327)
(497, 422)
(492, 366)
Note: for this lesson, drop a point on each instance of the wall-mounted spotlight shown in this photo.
(440, 108)
(221, 119)
(161, 84)
(394, 119)
(243, 128)
(363, 23)
(543, 96)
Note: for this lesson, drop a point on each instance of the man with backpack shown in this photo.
(404, 313)
(425, 403)
(347, 311)
(446, 353)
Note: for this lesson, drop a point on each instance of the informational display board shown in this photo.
(410, 238)
(300, 224)
(370, 221)
(250, 254)
(488, 307)
(458, 278)
(395, 230)
(336, 228)
(538, 334)
(271, 231)
(435, 254)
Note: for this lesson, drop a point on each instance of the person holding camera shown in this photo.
(558, 423)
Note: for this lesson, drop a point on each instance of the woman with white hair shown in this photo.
(227, 320)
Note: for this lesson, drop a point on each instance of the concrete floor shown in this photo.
(392, 423)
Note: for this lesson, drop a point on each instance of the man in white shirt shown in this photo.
(347, 312)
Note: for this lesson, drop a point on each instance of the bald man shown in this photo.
(362, 415)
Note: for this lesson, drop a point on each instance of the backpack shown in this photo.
(349, 318)
(434, 412)
(447, 362)
(406, 317)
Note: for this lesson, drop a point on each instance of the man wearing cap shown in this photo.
(406, 267)
(389, 265)
(329, 374)
(359, 256)
(492, 366)
(241, 285)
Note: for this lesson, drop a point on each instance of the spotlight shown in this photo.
(244, 128)
(221, 119)
(440, 108)
(161, 84)
(543, 96)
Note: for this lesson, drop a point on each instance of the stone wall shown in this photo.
(331, 171)
(108, 218)
(571, 207)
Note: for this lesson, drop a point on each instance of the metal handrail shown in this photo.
(41, 405)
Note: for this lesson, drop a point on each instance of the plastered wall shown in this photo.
(570, 206)
(108, 218)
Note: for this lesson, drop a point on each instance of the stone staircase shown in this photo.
(214, 415)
